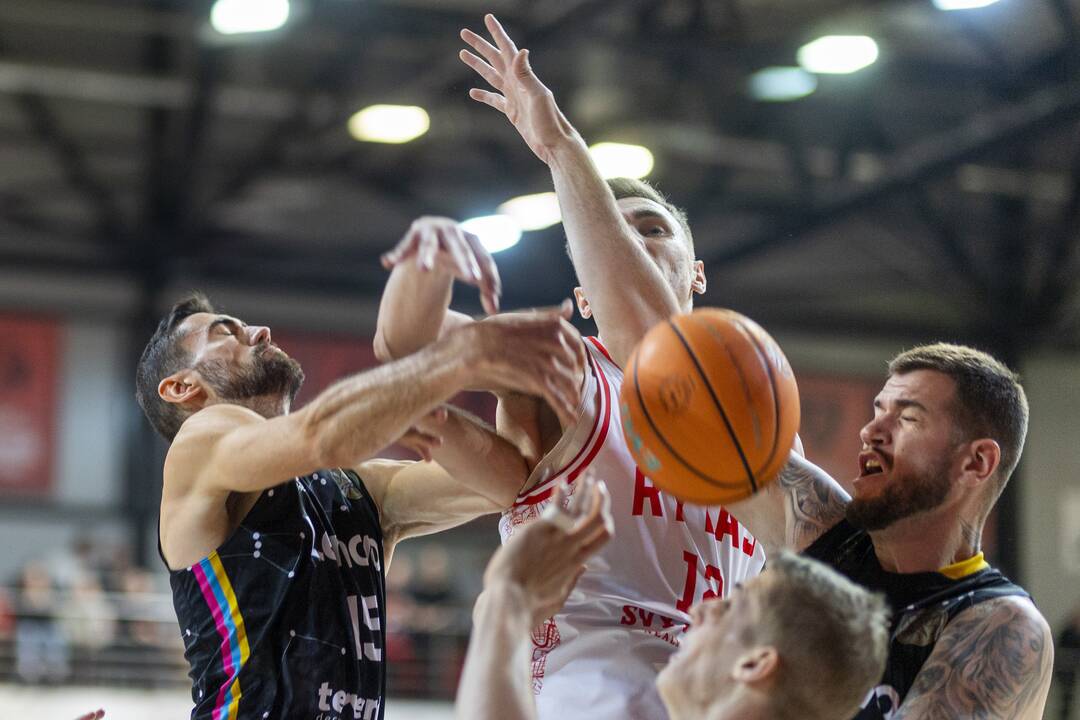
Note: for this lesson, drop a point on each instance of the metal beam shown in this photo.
(919, 162)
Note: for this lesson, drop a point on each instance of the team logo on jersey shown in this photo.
(345, 484)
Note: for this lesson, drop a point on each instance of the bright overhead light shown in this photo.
(389, 123)
(962, 4)
(496, 232)
(230, 17)
(781, 84)
(533, 212)
(838, 54)
(618, 160)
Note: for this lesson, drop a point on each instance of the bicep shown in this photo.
(420, 498)
(228, 448)
(813, 501)
(993, 660)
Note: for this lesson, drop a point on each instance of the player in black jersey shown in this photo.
(947, 432)
(277, 526)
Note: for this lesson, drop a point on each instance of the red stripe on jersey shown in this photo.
(534, 495)
(600, 346)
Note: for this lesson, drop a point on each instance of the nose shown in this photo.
(874, 432)
(259, 334)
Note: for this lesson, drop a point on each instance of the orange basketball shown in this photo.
(710, 407)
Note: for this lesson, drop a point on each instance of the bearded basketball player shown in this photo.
(277, 527)
(947, 432)
(633, 252)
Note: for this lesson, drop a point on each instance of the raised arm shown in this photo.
(994, 660)
(527, 581)
(637, 294)
(415, 306)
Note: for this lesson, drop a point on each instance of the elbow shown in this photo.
(382, 349)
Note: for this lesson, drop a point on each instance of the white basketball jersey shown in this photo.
(598, 658)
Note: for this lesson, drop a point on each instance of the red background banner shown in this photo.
(29, 375)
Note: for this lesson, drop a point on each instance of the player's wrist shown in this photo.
(506, 599)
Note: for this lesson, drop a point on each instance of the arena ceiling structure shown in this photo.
(934, 193)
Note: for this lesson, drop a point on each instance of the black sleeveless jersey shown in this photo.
(285, 619)
(922, 605)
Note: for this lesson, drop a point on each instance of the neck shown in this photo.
(927, 542)
(733, 705)
(265, 405)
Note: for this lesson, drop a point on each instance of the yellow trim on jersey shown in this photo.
(965, 567)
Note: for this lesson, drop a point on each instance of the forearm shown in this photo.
(598, 236)
(357, 416)
(478, 458)
(412, 311)
(495, 683)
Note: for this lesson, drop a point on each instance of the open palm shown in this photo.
(525, 101)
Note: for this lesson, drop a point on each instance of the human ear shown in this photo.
(697, 280)
(180, 388)
(980, 462)
(582, 303)
(756, 665)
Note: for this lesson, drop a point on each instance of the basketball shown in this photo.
(710, 407)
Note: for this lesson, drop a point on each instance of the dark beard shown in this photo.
(906, 497)
(270, 375)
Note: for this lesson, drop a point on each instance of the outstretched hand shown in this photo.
(95, 715)
(525, 101)
(544, 559)
(438, 243)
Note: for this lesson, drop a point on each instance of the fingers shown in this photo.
(464, 266)
(486, 50)
(490, 74)
(489, 98)
(420, 442)
(490, 282)
(502, 40)
(427, 249)
(405, 249)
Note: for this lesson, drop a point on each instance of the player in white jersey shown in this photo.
(633, 254)
(599, 656)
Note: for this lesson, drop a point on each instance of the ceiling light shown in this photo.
(533, 212)
(496, 232)
(838, 54)
(782, 84)
(230, 17)
(962, 4)
(615, 160)
(389, 123)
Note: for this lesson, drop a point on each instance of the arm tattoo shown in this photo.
(813, 501)
(992, 661)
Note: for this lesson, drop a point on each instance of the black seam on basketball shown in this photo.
(656, 431)
(775, 393)
(719, 406)
(717, 337)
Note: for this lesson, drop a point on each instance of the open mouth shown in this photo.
(870, 464)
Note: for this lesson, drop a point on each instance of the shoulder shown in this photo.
(993, 659)
(199, 436)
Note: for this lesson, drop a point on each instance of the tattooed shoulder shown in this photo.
(994, 660)
(814, 502)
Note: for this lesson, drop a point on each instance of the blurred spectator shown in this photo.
(437, 604)
(41, 649)
(89, 620)
(137, 605)
(1067, 663)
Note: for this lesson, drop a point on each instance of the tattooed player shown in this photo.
(947, 432)
(277, 526)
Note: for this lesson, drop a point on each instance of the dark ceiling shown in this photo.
(933, 194)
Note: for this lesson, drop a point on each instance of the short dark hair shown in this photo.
(632, 188)
(832, 636)
(164, 355)
(990, 401)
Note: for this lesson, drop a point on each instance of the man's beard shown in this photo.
(906, 496)
(271, 375)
